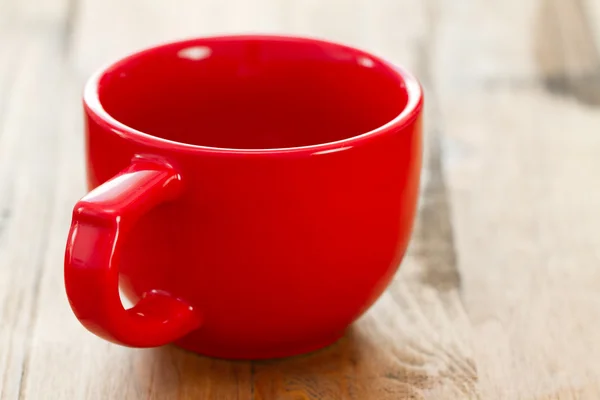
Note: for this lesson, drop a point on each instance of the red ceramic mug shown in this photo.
(252, 195)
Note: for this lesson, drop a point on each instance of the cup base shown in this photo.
(260, 354)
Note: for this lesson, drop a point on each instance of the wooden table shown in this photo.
(499, 296)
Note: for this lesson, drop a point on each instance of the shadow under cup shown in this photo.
(252, 94)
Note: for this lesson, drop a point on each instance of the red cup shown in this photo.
(251, 195)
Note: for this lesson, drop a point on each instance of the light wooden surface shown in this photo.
(499, 296)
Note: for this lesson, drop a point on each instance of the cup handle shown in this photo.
(100, 221)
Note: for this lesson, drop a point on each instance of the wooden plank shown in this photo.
(27, 149)
(30, 43)
(591, 10)
(29, 12)
(567, 51)
(522, 167)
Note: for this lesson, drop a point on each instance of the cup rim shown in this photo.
(94, 108)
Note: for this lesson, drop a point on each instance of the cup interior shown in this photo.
(252, 93)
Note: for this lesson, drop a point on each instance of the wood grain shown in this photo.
(521, 167)
(498, 296)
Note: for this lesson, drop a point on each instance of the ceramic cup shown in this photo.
(251, 195)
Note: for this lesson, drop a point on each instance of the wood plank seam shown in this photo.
(568, 27)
